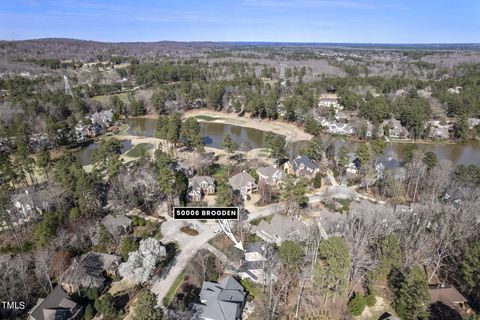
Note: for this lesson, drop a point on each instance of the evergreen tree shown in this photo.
(145, 307)
(332, 268)
(413, 298)
(471, 265)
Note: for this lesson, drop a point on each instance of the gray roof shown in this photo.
(282, 227)
(103, 118)
(57, 305)
(223, 300)
(115, 224)
(305, 161)
(241, 180)
(202, 179)
(269, 172)
(388, 162)
(88, 271)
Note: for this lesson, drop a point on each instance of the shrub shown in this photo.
(356, 305)
(370, 299)
(317, 180)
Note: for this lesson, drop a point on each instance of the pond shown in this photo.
(465, 153)
(84, 155)
(211, 132)
(249, 138)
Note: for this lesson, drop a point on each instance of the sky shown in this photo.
(345, 21)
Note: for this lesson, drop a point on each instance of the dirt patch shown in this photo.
(189, 231)
(290, 131)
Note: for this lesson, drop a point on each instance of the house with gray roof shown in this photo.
(272, 175)
(89, 271)
(389, 163)
(281, 228)
(198, 186)
(56, 306)
(243, 183)
(395, 129)
(252, 267)
(103, 118)
(223, 300)
(301, 166)
(29, 205)
(117, 225)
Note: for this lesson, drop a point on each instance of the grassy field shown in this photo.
(139, 150)
(207, 118)
(173, 289)
(105, 99)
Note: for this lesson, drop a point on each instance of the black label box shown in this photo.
(205, 213)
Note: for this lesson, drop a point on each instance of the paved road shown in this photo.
(189, 245)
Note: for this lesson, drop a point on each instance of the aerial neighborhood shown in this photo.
(357, 181)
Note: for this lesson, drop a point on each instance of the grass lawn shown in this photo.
(256, 221)
(105, 99)
(173, 289)
(139, 149)
(220, 171)
(207, 118)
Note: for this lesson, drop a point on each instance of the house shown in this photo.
(57, 305)
(223, 300)
(301, 166)
(353, 164)
(451, 297)
(281, 228)
(243, 183)
(395, 129)
(473, 122)
(103, 118)
(117, 225)
(389, 163)
(272, 175)
(252, 267)
(341, 116)
(329, 101)
(31, 204)
(439, 132)
(89, 271)
(198, 186)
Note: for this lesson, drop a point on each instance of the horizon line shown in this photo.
(247, 42)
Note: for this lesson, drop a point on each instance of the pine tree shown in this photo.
(413, 298)
(145, 307)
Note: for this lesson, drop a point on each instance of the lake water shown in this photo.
(84, 156)
(249, 138)
(465, 153)
(211, 132)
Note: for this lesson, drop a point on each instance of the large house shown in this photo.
(198, 186)
(103, 118)
(452, 298)
(223, 300)
(31, 204)
(89, 271)
(395, 129)
(243, 183)
(252, 267)
(281, 228)
(301, 166)
(271, 175)
(57, 305)
(117, 225)
(389, 163)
